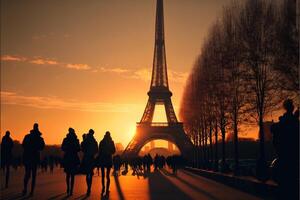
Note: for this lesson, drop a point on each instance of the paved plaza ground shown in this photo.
(158, 185)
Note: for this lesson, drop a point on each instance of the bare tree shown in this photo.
(286, 57)
(257, 25)
(235, 69)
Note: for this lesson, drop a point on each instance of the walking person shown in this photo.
(6, 155)
(117, 161)
(51, 164)
(286, 143)
(149, 162)
(156, 162)
(106, 150)
(32, 144)
(89, 147)
(70, 146)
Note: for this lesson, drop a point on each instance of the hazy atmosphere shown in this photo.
(88, 64)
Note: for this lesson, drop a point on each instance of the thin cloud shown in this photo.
(12, 58)
(179, 77)
(45, 61)
(41, 61)
(145, 74)
(117, 70)
(78, 66)
(49, 102)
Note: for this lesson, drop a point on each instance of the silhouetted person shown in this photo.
(175, 162)
(51, 163)
(32, 144)
(83, 136)
(89, 148)
(144, 163)
(149, 162)
(117, 164)
(286, 143)
(137, 165)
(156, 162)
(44, 164)
(6, 155)
(70, 146)
(162, 162)
(106, 150)
(125, 162)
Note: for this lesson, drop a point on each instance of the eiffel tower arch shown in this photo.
(159, 94)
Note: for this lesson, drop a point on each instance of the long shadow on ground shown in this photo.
(209, 195)
(119, 189)
(161, 188)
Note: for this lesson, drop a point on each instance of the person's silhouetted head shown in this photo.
(7, 133)
(83, 136)
(288, 105)
(107, 134)
(35, 126)
(91, 131)
(71, 130)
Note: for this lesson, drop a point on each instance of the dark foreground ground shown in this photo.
(159, 185)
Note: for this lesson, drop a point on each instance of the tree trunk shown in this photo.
(261, 168)
(261, 138)
(216, 148)
(201, 149)
(236, 143)
(206, 149)
(210, 146)
(223, 167)
(223, 145)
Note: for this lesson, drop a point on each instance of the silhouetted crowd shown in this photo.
(141, 165)
(93, 156)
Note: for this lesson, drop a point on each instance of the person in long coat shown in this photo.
(32, 144)
(89, 147)
(106, 150)
(6, 155)
(286, 143)
(70, 146)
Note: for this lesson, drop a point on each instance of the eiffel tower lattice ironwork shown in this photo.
(159, 94)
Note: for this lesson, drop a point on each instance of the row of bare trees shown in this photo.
(248, 65)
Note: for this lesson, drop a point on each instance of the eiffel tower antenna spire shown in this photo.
(159, 70)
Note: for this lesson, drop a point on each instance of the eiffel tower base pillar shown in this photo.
(146, 132)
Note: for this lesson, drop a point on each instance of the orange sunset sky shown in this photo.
(87, 64)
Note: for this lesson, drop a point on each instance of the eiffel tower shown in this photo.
(159, 94)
